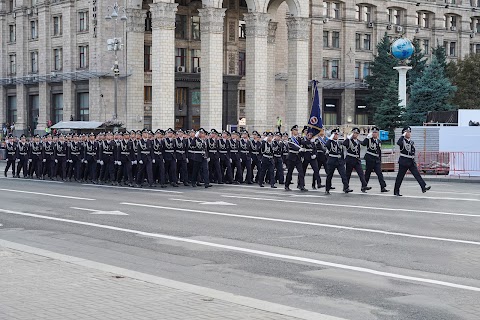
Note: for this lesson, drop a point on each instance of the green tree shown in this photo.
(465, 74)
(382, 72)
(388, 115)
(418, 62)
(439, 53)
(431, 92)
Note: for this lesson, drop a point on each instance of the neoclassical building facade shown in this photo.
(214, 64)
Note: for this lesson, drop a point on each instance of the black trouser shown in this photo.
(374, 165)
(295, 164)
(125, 170)
(61, 166)
(22, 165)
(171, 169)
(246, 163)
(279, 174)
(158, 169)
(90, 168)
(267, 165)
(75, 166)
(226, 168)
(200, 167)
(107, 168)
(403, 167)
(49, 166)
(36, 166)
(355, 164)
(145, 168)
(316, 172)
(237, 166)
(215, 169)
(182, 170)
(322, 161)
(339, 165)
(10, 162)
(256, 163)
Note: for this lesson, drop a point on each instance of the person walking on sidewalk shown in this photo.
(406, 162)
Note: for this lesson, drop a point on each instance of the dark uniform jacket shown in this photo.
(11, 151)
(374, 149)
(168, 149)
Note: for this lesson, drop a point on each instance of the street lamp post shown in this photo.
(115, 45)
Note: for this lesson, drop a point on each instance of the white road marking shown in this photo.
(34, 180)
(255, 252)
(355, 207)
(130, 188)
(218, 203)
(333, 226)
(92, 211)
(47, 194)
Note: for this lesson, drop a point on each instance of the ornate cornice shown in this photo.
(256, 24)
(298, 28)
(136, 20)
(272, 30)
(163, 15)
(211, 19)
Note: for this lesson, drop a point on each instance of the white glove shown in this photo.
(85, 161)
(17, 160)
(153, 161)
(241, 160)
(350, 136)
(187, 160)
(369, 135)
(133, 162)
(404, 134)
(302, 150)
(230, 160)
(29, 160)
(314, 157)
(101, 162)
(44, 160)
(119, 163)
(98, 161)
(56, 161)
(140, 162)
(208, 159)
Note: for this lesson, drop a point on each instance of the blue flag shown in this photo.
(315, 123)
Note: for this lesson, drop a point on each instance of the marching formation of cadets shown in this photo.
(199, 158)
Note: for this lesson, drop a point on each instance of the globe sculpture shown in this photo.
(402, 49)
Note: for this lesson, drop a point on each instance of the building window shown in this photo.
(12, 33)
(426, 46)
(12, 64)
(147, 94)
(57, 107)
(34, 61)
(367, 42)
(147, 58)
(180, 56)
(325, 69)
(336, 39)
(83, 107)
(477, 48)
(357, 70)
(12, 109)
(33, 112)
(195, 28)
(423, 19)
(366, 69)
(57, 25)
(34, 29)
(148, 22)
(180, 26)
(367, 13)
(241, 63)
(181, 98)
(241, 97)
(83, 57)
(196, 60)
(475, 25)
(325, 39)
(83, 21)
(450, 22)
(331, 10)
(11, 5)
(336, 10)
(241, 30)
(394, 16)
(358, 41)
(335, 66)
(453, 49)
(57, 59)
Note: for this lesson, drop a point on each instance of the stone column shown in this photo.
(136, 81)
(402, 85)
(256, 70)
(69, 103)
(297, 90)
(163, 64)
(211, 78)
(22, 70)
(272, 113)
(44, 58)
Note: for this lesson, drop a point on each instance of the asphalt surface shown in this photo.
(356, 256)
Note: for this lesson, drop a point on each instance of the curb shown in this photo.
(211, 293)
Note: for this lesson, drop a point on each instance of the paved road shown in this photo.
(356, 256)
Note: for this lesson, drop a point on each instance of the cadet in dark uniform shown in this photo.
(48, 158)
(335, 161)
(181, 156)
(267, 161)
(23, 150)
(352, 160)
(144, 159)
(310, 158)
(61, 154)
(11, 147)
(214, 156)
(320, 143)
(225, 161)
(235, 157)
(246, 157)
(169, 157)
(256, 156)
(277, 146)
(373, 157)
(407, 162)
(125, 158)
(90, 159)
(36, 157)
(294, 160)
(200, 159)
(107, 158)
(158, 165)
(75, 158)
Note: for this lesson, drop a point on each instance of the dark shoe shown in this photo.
(163, 186)
(150, 185)
(281, 183)
(138, 185)
(397, 193)
(287, 188)
(273, 187)
(384, 190)
(332, 188)
(236, 182)
(186, 184)
(321, 186)
(5, 174)
(208, 186)
(130, 185)
(426, 189)
(347, 190)
(303, 189)
(174, 185)
(261, 185)
(220, 183)
(327, 193)
(194, 185)
(365, 189)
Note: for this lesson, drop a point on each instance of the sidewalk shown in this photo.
(36, 286)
